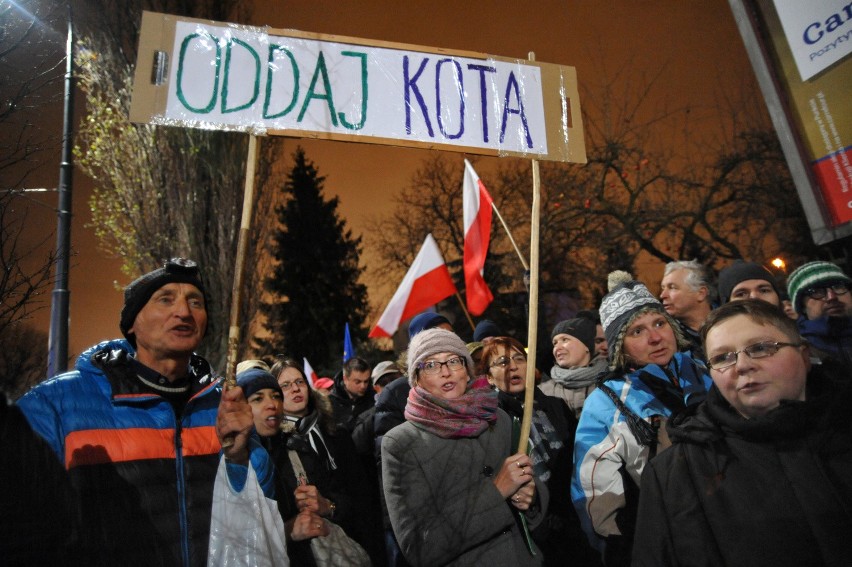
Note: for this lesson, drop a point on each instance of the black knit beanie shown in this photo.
(140, 290)
(485, 329)
(739, 272)
(581, 329)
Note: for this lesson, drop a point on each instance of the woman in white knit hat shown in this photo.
(453, 483)
(652, 376)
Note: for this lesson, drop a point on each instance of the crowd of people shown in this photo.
(704, 425)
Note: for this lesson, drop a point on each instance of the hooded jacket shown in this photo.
(144, 478)
(775, 490)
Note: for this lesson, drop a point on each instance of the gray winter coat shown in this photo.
(444, 507)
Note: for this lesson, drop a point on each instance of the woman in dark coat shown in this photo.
(560, 538)
(452, 480)
(759, 474)
(302, 422)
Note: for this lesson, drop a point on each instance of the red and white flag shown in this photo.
(477, 234)
(309, 372)
(427, 282)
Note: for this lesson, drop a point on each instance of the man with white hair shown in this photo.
(687, 295)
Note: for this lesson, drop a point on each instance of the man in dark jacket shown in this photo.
(759, 473)
(351, 394)
(138, 426)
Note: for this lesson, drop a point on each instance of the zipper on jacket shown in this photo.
(181, 488)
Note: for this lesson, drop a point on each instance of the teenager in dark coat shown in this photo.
(759, 474)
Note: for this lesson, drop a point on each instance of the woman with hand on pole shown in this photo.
(504, 362)
(453, 482)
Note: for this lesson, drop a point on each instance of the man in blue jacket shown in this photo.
(138, 425)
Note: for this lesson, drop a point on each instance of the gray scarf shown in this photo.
(577, 378)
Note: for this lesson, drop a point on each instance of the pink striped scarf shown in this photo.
(466, 416)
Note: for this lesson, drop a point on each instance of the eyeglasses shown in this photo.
(287, 386)
(434, 367)
(820, 293)
(757, 350)
(503, 361)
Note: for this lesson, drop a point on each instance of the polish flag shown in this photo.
(477, 234)
(427, 282)
(309, 372)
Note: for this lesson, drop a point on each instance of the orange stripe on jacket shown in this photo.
(98, 446)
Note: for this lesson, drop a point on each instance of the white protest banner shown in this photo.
(280, 82)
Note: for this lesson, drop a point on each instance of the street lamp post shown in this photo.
(58, 341)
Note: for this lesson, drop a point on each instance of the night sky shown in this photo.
(694, 44)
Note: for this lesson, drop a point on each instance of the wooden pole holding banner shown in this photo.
(239, 267)
(532, 328)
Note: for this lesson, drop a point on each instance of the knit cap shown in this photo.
(485, 329)
(255, 379)
(140, 290)
(428, 320)
(433, 341)
(812, 274)
(741, 271)
(582, 329)
(626, 298)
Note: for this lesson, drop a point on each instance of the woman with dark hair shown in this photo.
(453, 483)
(653, 376)
(290, 417)
(504, 362)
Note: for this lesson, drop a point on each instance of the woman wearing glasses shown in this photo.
(297, 428)
(504, 362)
(622, 426)
(759, 473)
(453, 483)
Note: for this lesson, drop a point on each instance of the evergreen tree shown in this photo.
(314, 283)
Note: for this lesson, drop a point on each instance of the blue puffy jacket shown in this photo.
(608, 457)
(145, 478)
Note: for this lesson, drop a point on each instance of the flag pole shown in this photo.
(532, 329)
(467, 314)
(242, 247)
(511, 238)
